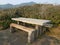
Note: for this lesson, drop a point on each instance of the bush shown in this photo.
(5, 24)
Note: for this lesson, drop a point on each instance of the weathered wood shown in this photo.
(21, 27)
(32, 21)
(26, 29)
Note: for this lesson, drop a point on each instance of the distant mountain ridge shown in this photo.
(27, 4)
(7, 6)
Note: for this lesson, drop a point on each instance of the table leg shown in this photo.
(30, 37)
(37, 29)
(17, 22)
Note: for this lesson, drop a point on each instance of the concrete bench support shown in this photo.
(37, 30)
(31, 36)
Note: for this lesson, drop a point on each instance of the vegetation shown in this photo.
(38, 11)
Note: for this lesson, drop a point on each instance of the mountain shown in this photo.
(7, 6)
(26, 4)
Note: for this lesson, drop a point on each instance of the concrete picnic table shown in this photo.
(37, 22)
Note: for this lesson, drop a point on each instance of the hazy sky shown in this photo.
(23, 1)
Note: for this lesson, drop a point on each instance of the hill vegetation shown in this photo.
(38, 11)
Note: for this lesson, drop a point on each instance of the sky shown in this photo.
(14, 2)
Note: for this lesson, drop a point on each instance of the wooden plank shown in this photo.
(26, 29)
(21, 27)
(32, 21)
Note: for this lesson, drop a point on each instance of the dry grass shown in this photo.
(55, 32)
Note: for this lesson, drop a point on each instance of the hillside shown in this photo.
(39, 11)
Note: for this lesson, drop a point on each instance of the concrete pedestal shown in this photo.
(30, 37)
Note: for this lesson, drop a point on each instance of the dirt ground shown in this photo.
(20, 38)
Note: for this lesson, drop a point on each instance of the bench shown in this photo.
(26, 29)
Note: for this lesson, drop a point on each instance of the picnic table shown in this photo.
(37, 22)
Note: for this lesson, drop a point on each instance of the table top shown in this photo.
(32, 21)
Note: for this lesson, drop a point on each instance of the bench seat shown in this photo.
(27, 29)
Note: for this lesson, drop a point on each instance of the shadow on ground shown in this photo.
(47, 40)
(20, 38)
